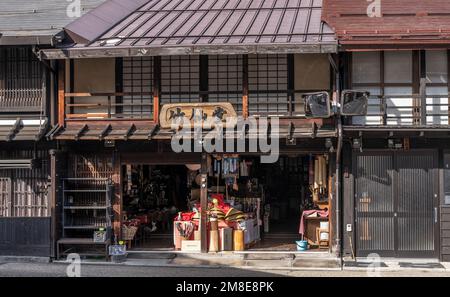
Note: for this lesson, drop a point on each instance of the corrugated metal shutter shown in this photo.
(395, 203)
(375, 203)
(415, 203)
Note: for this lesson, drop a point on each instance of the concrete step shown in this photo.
(269, 256)
(149, 256)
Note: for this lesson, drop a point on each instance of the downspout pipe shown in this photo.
(338, 191)
(338, 219)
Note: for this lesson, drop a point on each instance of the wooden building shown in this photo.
(115, 77)
(395, 159)
(99, 97)
(26, 104)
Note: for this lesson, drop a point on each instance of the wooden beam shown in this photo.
(105, 132)
(211, 49)
(80, 132)
(152, 132)
(61, 92)
(245, 112)
(156, 87)
(129, 132)
(117, 202)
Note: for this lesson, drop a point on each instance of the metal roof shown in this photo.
(167, 27)
(418, 23)
(36, 21)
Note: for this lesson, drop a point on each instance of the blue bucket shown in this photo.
(302, 245)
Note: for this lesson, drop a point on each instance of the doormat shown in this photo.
(421, 265)
(364, 264)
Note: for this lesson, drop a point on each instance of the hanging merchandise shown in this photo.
(186, 229)
(320, 181)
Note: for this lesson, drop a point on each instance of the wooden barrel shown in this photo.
(238, 240)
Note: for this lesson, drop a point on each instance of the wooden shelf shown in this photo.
(87, 227)
(87, 207)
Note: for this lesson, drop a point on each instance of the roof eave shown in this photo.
(101, 52)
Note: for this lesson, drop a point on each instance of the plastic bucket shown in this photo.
(302, 245)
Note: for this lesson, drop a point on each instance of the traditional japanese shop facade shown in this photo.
(26, 93)
(395, 178)
(116, 81)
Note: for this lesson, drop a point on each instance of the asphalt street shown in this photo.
(59, 270)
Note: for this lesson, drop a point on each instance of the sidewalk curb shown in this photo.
(203, 266)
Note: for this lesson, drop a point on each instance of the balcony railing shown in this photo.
(406, 110)
(109, 106)
(22, 100)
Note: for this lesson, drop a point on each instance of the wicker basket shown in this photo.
(129, 232)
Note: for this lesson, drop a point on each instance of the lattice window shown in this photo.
(180, 79)
(388, 76)
(268, 84)
(21, 80)
(225, 80)
(138, 80)
(24, 192)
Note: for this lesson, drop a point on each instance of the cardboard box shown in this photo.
(191, 246)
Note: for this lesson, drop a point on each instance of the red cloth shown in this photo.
(320, 213)
(186, 216)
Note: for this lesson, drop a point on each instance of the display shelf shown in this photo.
(86, 207)
(85, 227)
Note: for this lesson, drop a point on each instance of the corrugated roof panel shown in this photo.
(38, 17)
(191, 23)
(407, 22)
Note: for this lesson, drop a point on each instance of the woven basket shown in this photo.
(129, 232)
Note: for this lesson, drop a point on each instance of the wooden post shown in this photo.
(156, 87)
(245, 112)
(117, 197)
(204, 203)
(61, 92)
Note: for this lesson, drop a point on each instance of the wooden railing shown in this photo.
(109, 106)
(22, 100)
(406, 110)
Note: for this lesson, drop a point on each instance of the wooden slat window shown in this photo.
(180, 79)
(137, 80)
(24, 192)
(21, 80)
(225, 80)
(268, 84)
(437, 87)
(388, 76)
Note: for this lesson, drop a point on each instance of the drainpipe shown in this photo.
(338, 191)
(338, 162)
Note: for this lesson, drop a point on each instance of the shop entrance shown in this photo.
(153, 196)
(251, 206)
(289, 199)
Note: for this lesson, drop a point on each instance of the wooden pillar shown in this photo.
(245, 112)
(448, 84)
(204, 203)
(204, 77)
(156, 87)
(58, 170)
(117, 196)
(61, 92)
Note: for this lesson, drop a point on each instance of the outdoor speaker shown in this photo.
(317, 105)
(354, 103)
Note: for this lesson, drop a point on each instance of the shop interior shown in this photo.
(252, 206)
